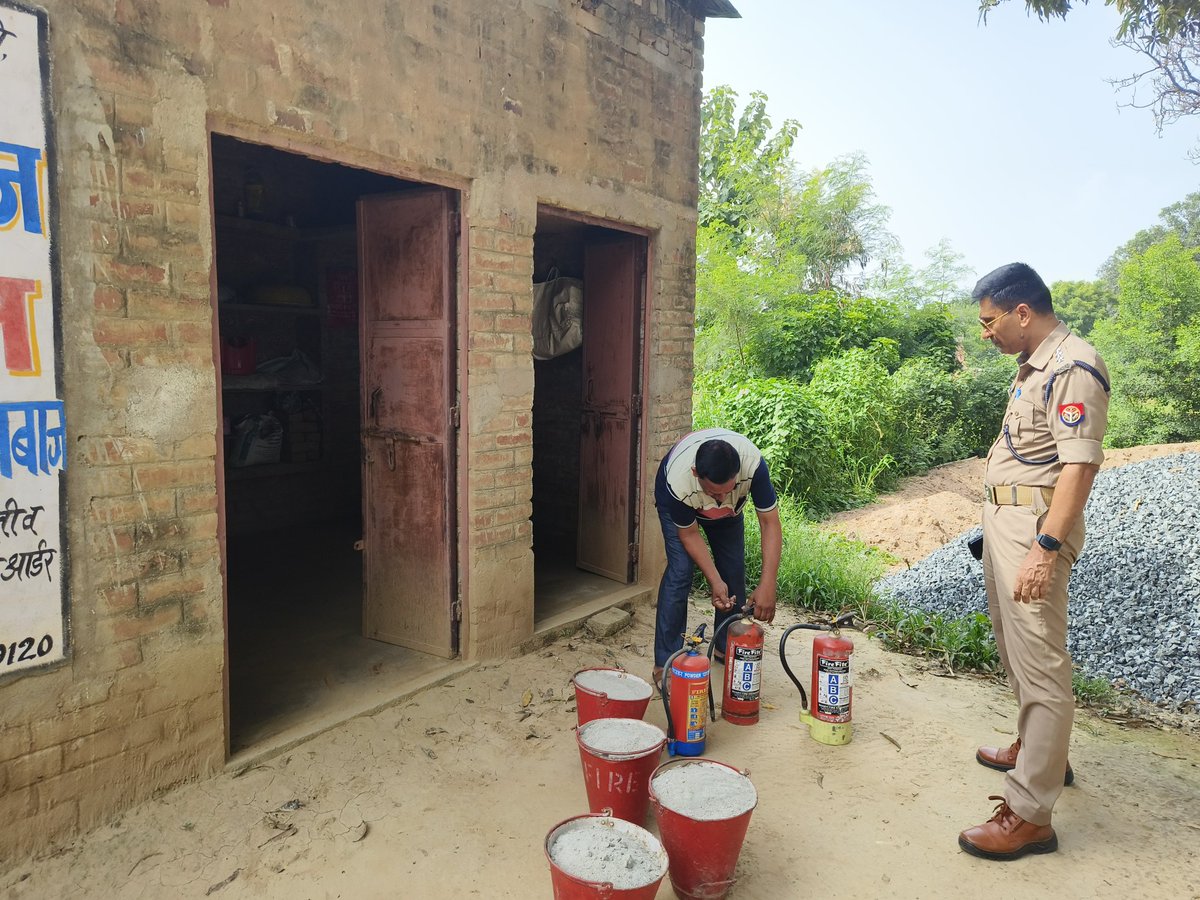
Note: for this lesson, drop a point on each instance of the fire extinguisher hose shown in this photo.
(846, 621)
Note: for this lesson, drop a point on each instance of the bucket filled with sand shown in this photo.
(599, 856)
(618, 756)
(703, 809)
(610, 693)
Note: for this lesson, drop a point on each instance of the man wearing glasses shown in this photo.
(1038, 477)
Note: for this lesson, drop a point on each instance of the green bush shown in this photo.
(817, 570)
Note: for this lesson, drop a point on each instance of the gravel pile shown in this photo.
(1135, 590)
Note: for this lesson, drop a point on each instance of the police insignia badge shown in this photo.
(1070, 414)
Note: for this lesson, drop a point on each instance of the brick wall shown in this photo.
(587, 106)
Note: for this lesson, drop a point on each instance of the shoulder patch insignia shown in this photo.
(1070, 414)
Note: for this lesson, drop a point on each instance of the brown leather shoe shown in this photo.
(1005, 759)
(1007, 836)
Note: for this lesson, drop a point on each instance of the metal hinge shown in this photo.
(456, 611)
(633, 554)
(455, 416)
(637, 405)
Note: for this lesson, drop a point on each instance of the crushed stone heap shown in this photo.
(1135, 590)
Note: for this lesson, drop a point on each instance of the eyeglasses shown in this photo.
(990, 324)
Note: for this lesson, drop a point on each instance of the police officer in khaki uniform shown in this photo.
(1039, 474)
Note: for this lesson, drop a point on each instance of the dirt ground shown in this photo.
(452, 793)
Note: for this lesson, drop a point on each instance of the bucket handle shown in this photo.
(683, 760)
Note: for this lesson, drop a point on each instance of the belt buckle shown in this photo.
(1014, 494)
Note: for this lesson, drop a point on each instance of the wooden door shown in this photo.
(406, 265)
(612, 314)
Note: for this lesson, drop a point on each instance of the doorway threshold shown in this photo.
(418, 674)
(564, 620)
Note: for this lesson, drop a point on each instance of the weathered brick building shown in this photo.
(308, 461)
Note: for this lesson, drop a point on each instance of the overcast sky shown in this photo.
(1005, 138)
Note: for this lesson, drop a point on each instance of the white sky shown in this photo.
(1007, 139)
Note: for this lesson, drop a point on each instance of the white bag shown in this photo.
(557, 316)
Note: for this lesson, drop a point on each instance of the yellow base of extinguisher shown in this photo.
(822, 732)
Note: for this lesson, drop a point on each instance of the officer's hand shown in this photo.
(720, 595)
(1035, 575)
(763, 598)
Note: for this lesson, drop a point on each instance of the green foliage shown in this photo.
(1181, 219)
(794, 332)
(818, 570)
(1093, 691)
(742, 165)
(1151, 348)
(1081, 304)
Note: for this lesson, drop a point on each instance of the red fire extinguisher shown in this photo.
(686, 696)
(829, 719)
(743, 669)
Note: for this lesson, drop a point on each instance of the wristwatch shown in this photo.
(1049, 543)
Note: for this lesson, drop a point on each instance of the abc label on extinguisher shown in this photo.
(833, 688)
(747, 673)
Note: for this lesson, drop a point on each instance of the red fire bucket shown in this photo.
(602, 693)
(599, 857)
(618, 756)
(702, 808)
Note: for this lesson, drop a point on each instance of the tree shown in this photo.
(742, 165)
(1165, 32)
(1181, 219)
(1151, 348)
(832, 222)
(1081, 304)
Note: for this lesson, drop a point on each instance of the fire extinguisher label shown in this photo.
(746, 673)
(833, 688)
(697, 710)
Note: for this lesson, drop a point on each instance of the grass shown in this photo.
(834, 575)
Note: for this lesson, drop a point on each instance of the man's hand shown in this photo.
(763, 598)
(720, 595)
(1035, 575)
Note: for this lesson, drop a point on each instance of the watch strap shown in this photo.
(1049, 543)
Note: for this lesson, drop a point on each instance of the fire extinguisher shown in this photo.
(686, 696)
(832, 683)
(743, 668)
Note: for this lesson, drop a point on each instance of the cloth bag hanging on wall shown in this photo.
(557, 316)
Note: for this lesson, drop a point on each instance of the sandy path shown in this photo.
(451, 794)
(458, 791)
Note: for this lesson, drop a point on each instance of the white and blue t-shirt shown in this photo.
(678, 491)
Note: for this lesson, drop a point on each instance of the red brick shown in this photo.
(149, 477)
(145, 305)
(127, 332)
(113, 450)
(117, 599)
(112, 271)
(169, 588)
(144, 623)
(128, 510)
(108, 300)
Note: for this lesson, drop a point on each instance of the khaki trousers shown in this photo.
(1032, 640)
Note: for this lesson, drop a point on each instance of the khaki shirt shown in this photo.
(1070, 423)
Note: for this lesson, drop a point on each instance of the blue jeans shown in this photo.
(727, 540)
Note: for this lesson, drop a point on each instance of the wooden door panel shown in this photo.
(412, 398)
(612, 307)
(410, 529)
(406, 245)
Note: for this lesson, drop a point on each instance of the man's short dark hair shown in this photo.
(717, 461)
(1010, 285)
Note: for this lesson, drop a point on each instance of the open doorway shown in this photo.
(301, 330)
(587, 406)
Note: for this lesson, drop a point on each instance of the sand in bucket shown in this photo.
(601, 857)
(703, 809)
(618, 756)
(610, 693)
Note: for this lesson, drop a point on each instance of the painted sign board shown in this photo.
(33, 452)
